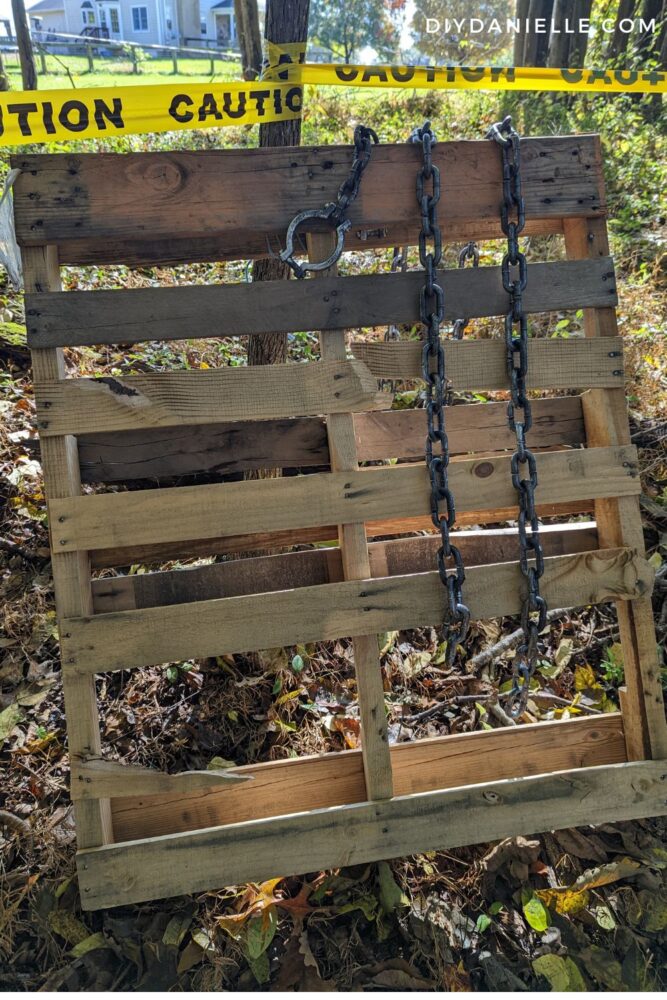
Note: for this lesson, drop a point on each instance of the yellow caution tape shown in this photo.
(287, 63)
(99, 112)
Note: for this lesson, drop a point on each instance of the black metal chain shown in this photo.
(432, 310)
(469, 252)
(333, 212)
(512, 220)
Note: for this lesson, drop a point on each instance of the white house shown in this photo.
(151, 22)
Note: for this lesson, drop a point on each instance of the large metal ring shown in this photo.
(287, 256)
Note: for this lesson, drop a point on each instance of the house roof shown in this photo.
(223, 5)
(46, 5)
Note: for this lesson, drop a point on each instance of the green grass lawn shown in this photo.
(119, 71)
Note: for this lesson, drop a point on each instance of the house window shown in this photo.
(203, 27)
(114, 20)
(140, 18)
(88, 16)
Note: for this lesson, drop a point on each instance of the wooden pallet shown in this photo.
(143, 834)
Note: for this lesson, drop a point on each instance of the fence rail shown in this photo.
(54, 42)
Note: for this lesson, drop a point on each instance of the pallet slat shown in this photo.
(363, 832)
(83, 405)
(193, 548)
(335, 779)
(238, 624)
(301, 442)
(148, 314)
(480, 364)
(248, 196)
(168, 399)
(304, 569)
(95, 778)
(145, 517)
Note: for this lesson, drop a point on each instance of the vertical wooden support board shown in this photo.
(71, 570)
(619, 523)
(356, 566)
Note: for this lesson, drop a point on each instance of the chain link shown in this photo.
(432, 310)
(333, 212)
(469, 252)
(523, 465)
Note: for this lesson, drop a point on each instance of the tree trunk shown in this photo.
(522, 7)
(286, 21)
(619, 42)
(579, 41)
(4, 81)
(247, 20)
(559, 48)
(24, 43)
(537, 45)
(648, 44)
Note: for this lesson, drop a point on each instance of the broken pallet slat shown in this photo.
(83, 405)
(335, 779)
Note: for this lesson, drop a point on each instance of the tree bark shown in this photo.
(559, 48)
(286, 21)
(4, 80)
(619, 42)
(522, 7)
(247, 20)
(24, 43)
(579, 41)
(537, 45)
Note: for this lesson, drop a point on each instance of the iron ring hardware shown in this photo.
(287, 256)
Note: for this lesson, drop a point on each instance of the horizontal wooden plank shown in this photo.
(95, 778)
(362, 832)
(250, 195)
(272, 540)
(148, 314)
(145, 517)
(146, 252)
(480, 364)
(336, 779)
(170, 399)
(301, 442)
(303, 569)
(237, 624)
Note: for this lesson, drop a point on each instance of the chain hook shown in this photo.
(333, 213)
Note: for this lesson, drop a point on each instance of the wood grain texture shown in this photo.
(249, 196)
(301, 442)
(619, 521)
(355, 565)
(234, 544)
(71, 571)
(145, 517)
(170, 399)
(480, 364)
(238, 624)
(305, 569)
(363, 832)
(95, 778)
(335, 779)
(148, 314)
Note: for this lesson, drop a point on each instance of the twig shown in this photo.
(15, 823)
(18, 550)
(489, 654)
